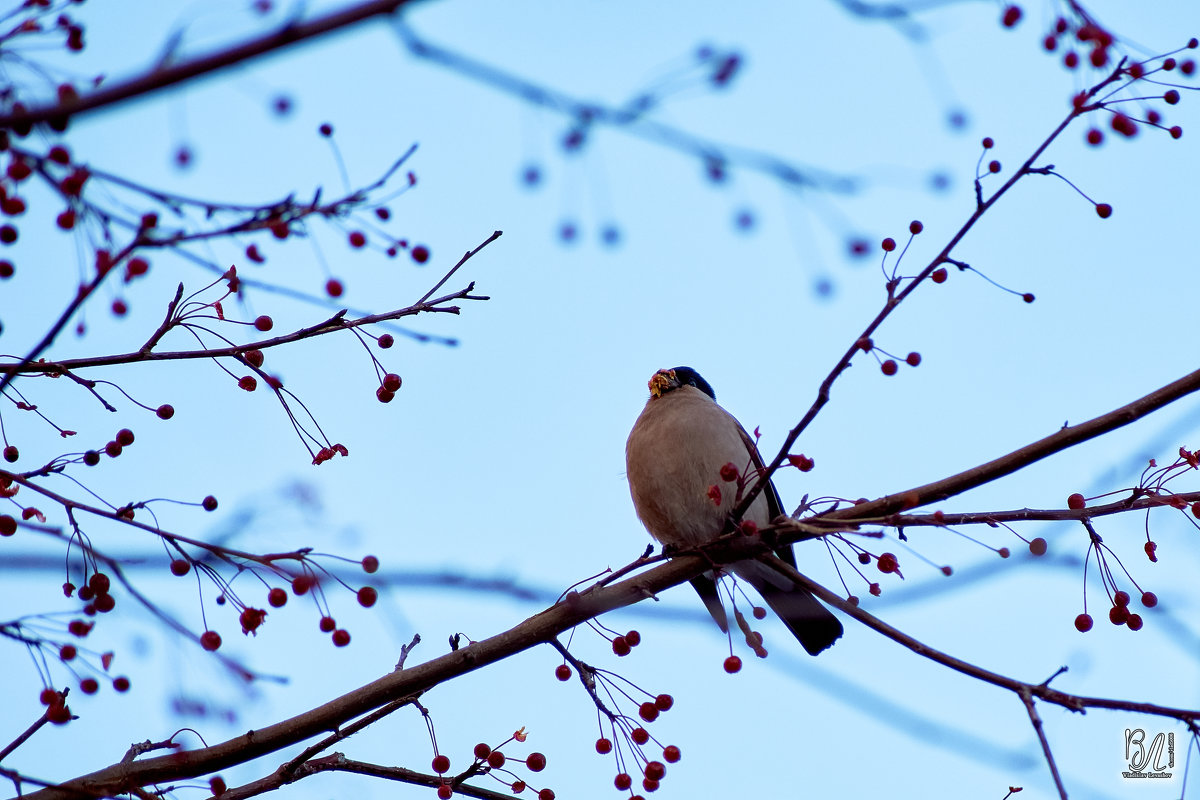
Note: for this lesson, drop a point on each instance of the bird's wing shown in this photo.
(774, 505)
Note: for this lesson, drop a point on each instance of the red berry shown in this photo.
(254, 358)
(341, 637)
(1118, 615)
(180, 567)
(1083, 623)
(939, 275)
(370, 564)
(248, 383)
(277, 597)
(913, 359)
(620, 646)
(326, 129)
(729, 472)
(420, 254)
(648, 711)
(1071, 60)
(889, 367)
(915, 227)
(622, 781)
(1103, 210)
(1150, 548)
(1038, 546)
(562, 672)
(536, 762)
(334, 288)
(988, 143)
(112, 449)
(384, 396)
(264, 323)
(671, 754)
(1003, 552)
(664, 702)
(386, 341)
(993, 167)
(1134, 622)
(496, 759)
(875, 590)
(1011, 16)
(888, 244)
(1121, 598)
(445, 791)
(441, 764)
(367, 596)
(66, 220)
(733, 664)
(121, 683)
(1095, 136)
(655, 770)
(357, 239)
(1028, 297)
(89, 686)
(67, 652)
(327, 624)
(119, 307)
(887, 563)
(210, 640)
(209, 503)
(1076, 502)
(759, 612)
(633, 638)
(392, 382)
(1175, 131)
(11, 454)
(603, 746)
(639, 735)
(59, 714)
(165, 411)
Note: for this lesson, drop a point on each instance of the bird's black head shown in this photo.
(689, 377)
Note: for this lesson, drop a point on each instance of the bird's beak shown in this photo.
(663, 381)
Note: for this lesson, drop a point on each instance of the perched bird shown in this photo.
(673, 459)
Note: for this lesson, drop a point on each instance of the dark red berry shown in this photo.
(1083, 623)
(210, 640)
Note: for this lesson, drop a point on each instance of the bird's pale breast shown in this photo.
(674, 455)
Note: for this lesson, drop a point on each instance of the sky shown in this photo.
(501, 457)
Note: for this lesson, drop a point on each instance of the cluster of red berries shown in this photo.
(888, 366)
(95, 594)
(653, 771)
(1119, 613)
(491, 759)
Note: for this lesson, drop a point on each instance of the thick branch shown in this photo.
(162, 77)
(1023, 457)
(121, 778)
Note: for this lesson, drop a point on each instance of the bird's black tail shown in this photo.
(809, 621)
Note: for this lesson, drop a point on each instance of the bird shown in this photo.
(673, 460)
